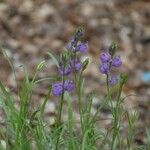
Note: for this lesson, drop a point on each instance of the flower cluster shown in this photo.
(76, 65)
(70, 65)
(58, 87)
(108, 61)
(64, 71)
(73, 62)
(76, 45)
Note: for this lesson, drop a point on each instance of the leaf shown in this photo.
(54, 59)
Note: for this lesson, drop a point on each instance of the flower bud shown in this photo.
(41, 65)
(113, 48)
(85, 64)
(116, 62)
(105, 57)
(64, 58)
(123, 78)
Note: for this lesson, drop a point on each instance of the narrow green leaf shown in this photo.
(54, 59)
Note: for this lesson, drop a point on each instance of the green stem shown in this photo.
(119, 93)
(60, 109)
(45, 101)
(78, 89)
(117, 117)
(107, 83)
(99, 109)
(79, 101)
(58, 121)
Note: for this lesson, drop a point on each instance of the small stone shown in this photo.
(44, 11)
(50, 108)
(56, 44)
(87, 10)
(26, 7)
(13, 43)
(30, 49)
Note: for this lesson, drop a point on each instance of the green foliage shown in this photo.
(148, 138)
(24, 129)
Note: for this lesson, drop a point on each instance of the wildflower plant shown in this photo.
(25, 130)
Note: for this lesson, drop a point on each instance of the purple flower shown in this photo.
(69, 86)
(116, 62)
(67, 71)
(113, 80)
(82, 47)
(68, 46)
(57, 88)
(70, 43)
(77, 66)
(105, 57)
(79, 34)
(104, 68)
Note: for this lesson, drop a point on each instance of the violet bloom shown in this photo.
(70, 43)
(79, 34)
(77, 66)
(68, 46)
(57, 88)
(66, 72)
(105, 57)
(82, 47)
(113, 80)
(69, 86)
(116, 62)
(104, 68)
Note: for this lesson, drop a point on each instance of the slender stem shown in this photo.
(44, 79)
(117, 117)
(79, 100)
(74, 69)
(60, 108)
(58, 121)
(45, 101)
(99, 108)
(107, 83)
(119, 93)
(78, 87)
